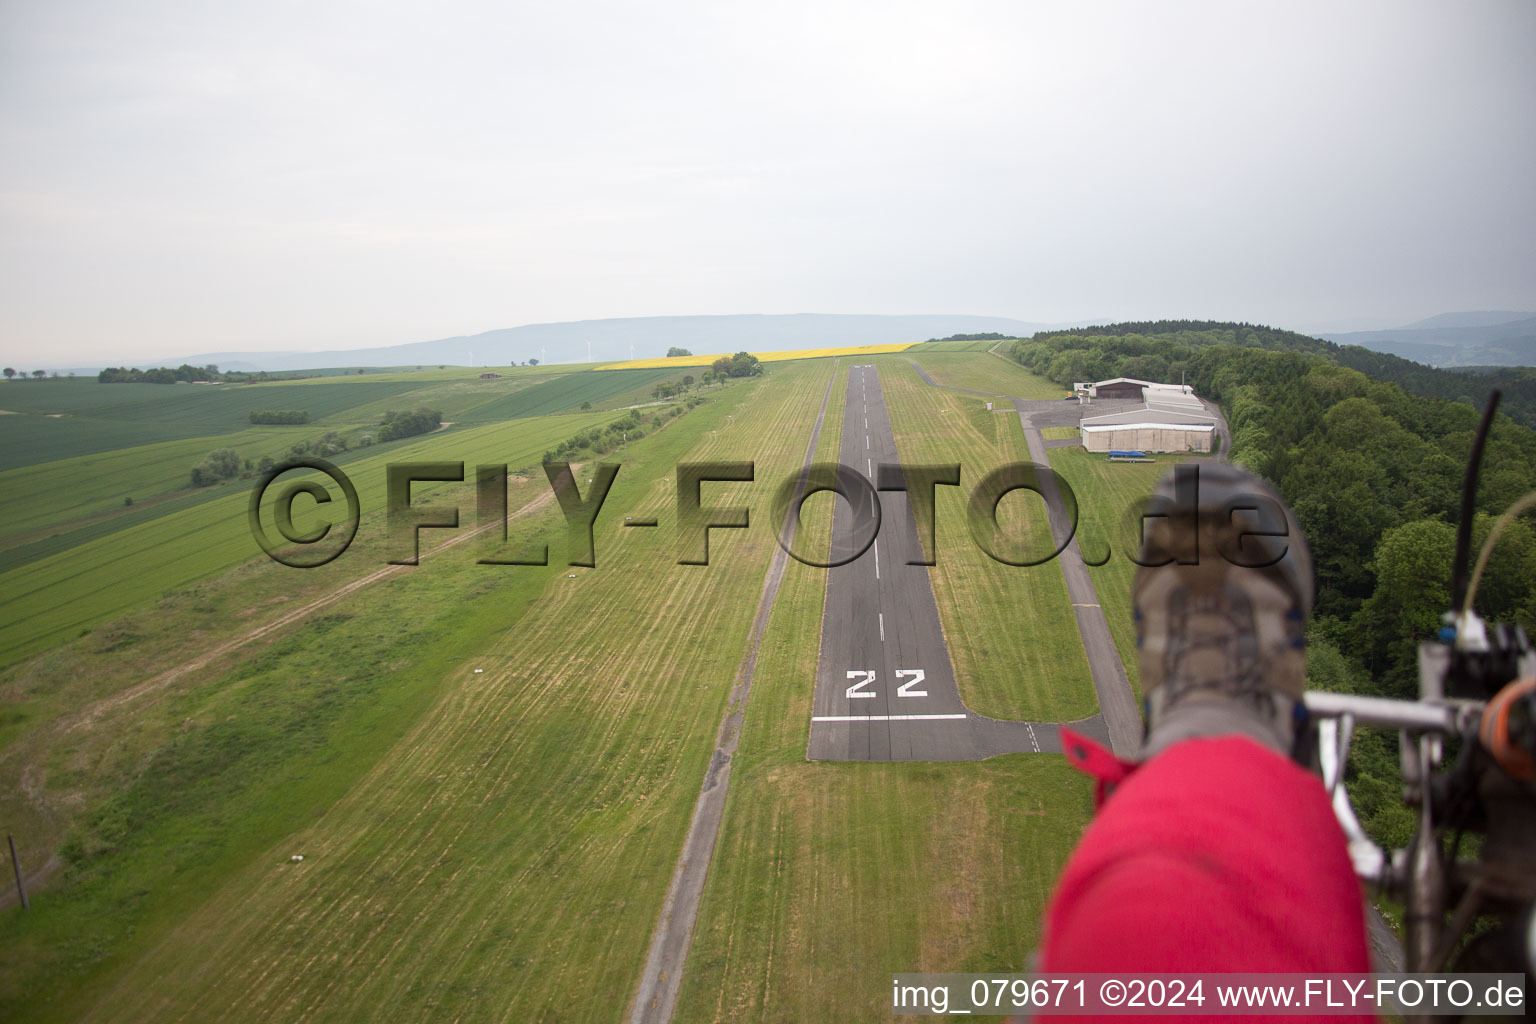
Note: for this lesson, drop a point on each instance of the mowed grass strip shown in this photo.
(56, 597)
(953, 346)
(509, 858)
(1110, 497)
(1012, 637)
(167, 788)
(982, 371)
(829, 877)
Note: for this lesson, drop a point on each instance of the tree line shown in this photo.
(1373, 473)
(1162, 337)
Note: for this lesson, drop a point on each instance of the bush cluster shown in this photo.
(280, 416)
(396, 425)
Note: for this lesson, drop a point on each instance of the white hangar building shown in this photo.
(1171, 419)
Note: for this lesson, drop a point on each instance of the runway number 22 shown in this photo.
(866, 677)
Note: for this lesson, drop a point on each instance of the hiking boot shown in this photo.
(1221, 604)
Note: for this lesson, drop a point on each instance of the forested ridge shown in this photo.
(1373, 469)
(1166, 337)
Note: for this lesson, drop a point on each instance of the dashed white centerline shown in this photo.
(866, 440)
(882, 627)
(886, 718)
(877, 559)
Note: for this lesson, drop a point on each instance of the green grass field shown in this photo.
(65, 489)
(828, 877)
(1109, 498)
(1010, 629)
(952, 346)
(224, 406)
(564, 774)
(56, 597)
(562, 394)
(982, 371)
(497, 845)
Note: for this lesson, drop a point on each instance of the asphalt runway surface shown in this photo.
(885, 687)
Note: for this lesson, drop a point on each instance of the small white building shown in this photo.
(1171, 419)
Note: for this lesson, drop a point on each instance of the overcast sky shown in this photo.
(191, 177)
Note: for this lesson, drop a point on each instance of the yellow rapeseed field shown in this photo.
(767, 357)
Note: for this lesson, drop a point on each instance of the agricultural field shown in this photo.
(65, 489)
(69, 418)
(569, 391)
(57, 596)
(564, 774)
(982, 371)
(420, 374)
(850, 351)
(489, 770)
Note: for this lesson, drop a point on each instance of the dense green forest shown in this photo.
(1373, 469)
(1165, 345)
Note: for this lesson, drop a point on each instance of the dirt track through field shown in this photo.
(34, 778)
(89, 714)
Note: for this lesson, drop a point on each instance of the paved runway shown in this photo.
(885, 688)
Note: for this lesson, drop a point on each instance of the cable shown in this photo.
(1529, 501)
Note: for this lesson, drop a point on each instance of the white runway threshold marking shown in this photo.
(885, 718)
(1032, 741)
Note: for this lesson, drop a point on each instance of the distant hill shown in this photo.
(650, 337)
(1479, 318)
(1486, 338)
